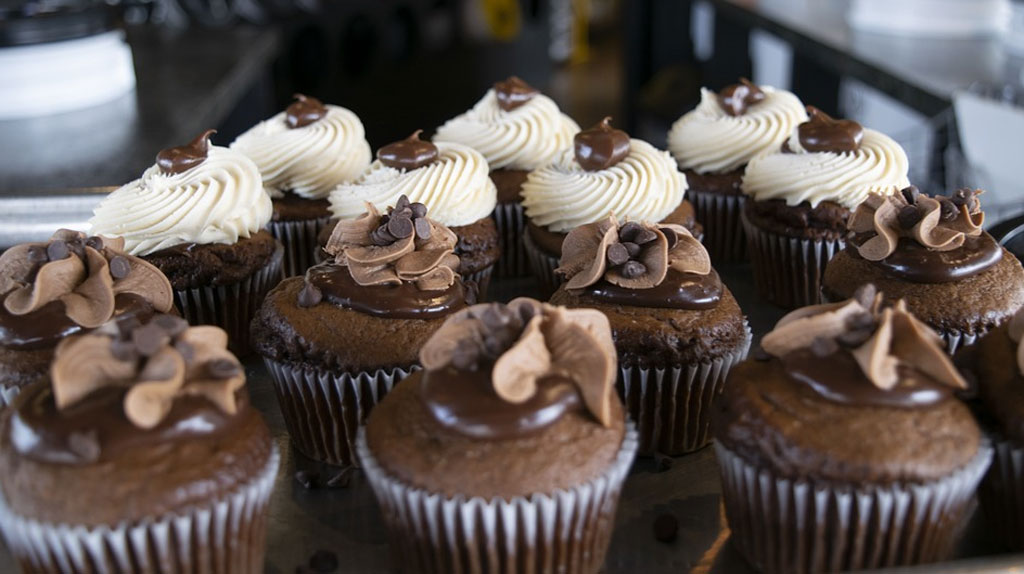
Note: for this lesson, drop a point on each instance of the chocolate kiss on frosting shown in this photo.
(525, 342)
(735, 99)
(304, 111)
(822, 133)
(513, 92)
(183, 158)
(410, 153)
(601, 146)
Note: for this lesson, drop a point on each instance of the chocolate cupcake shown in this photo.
(303, 153)
(799, 199)
(606, 172)
(713, 144)
(67, 286)
(517, 129)
(930, 251)
(450, 179)
(677, 329)
(843, 447)
(512, 432)
(198, 216)
(337, 340)
(141, 453)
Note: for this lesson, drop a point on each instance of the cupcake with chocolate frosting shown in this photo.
(848, 426)
(517, 129)
(66, 286)
(713, 144)
(930, 251)
(800, 198)
(338, 339)
(512, 426)
(605, 172)
(450, 179)
(198, 216)
(677, 329)
(140, 451)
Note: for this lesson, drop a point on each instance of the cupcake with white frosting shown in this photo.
(606, 172)
(302, 154)
(518, 130)
(450, 179)
(800, 198)
(198, 215)
(713, 144)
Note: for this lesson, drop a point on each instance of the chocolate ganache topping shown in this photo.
(304, 111)
(859, 352)
(924, 239)
(735, 99)
(73, 282)
(640, 264)
(505, 371)
(513, 92)
(183, 158)
(823, 133)
(601, 146)
(410, 153)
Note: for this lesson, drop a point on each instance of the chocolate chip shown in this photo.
(855, 337)
(85, 445)
(422, 228)
(37, 254)
(909, 216)
(308, 479)
(400, 227)
(465, 355)
(123, 350)
(149, 338)
(186, 350)
(670, 235)
(309, 296)
(949, 210)
(910, 194)
(823, 346)
(644, 236)
(633, 269)
(222, 368)
(95, 242)
(666, 527)
(629, 230)
(342, 478)
(127, 324)
(865, 295)
(119, 267)
(965, 196)
(632, 248)
(418, 210)
(617, 254)
(402, 203)
(381, 237)
(57, 250)
(861, 320)
(171, 324)
(662, 462)
(323, 561)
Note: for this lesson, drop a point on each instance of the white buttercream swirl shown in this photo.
(709, 140)
(645, 186)
(456, 188)
(879, 166)
(526, 138)
(311, 160)
(218, 201)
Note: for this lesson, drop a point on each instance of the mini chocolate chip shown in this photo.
(95, 242)
(909, 216)
(666, 527)
(465, 355)
(186, 350)
(633, 269)
(644, 236)
(57, 250)
(149, 338)
(171, 324)
(123, 350)
(418, 210)
(662, 462)
(617, 254)
(37, 254)
(323, 561)
(402, 203)
(86, 445)
(127, 324)
(422, 228)
(222, 368)
(629, 230)
(865, 295)
(759, 354)
(910, 194)
(855, 337)
(342, 478)
(381, 237)
(823, 346)
(400, 227)
(308, 479)
(119, 267)
(949, 210)
(670, 235)
(310, 296)
(632, 248)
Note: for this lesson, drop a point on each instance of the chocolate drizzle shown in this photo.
(737, 98)
(822, 133)
(601, 146)
(513, 93)
(183, 158)
(410, 153)
(304, 111)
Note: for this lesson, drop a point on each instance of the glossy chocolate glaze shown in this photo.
(915, 262)
(410, 153)
(513, 92)
(678, 291)
(46, 326)
(183, 158)
(822, 133)
(304, 111)
(601, 146)
(465, 402)
(405, 301)
(737, 98)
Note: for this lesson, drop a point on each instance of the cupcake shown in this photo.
(198, 216)
(799, 199)
(140, 453)
(338, 339)
(605, 172)
(507, 453)
(677, 329)
(303, 153)
(449, 179)
(66, 286)
(713, 144)
(930, 251)
(842, 445)
(517, 129)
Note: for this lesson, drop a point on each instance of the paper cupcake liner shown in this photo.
(788, 270)
(323, 410)
(784, 525)
(230, 307)
(542, 265)
(511, 223)
(564, 531)
(225, 536)
(300, 242)
(672, 406)
(1002, 493)
(720, 217)
(482, 278)
(8, 394)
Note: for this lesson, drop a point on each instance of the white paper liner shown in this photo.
(300, 242)
(231, 307)
(482, 278)
(1002, 493)
(324, 409)
(788, 270)
(511, 223)
(227, 536)
(7, 394)
(542, 265)
(566, 531)
(672, 406)
(794, 526)
(719, 215)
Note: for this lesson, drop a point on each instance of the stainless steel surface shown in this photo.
(34, 217)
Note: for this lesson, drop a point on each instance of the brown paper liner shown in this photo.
(7, 394)
(323, 409)
(672, 406)
(511, 223)
(788, 270)
(482, 278)
(225, 536)
(565, 531)
(793, 526)
(1002, 493)
(300, 243)
(542, 265)
(719, 216)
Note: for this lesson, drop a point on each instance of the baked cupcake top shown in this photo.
(308, 149)
(924, 239)
(606, 172)
(450, 179)
(641, 264)
(999, 364)
(514, 126)
(729, 128)
(196, 193)
(828, 160)
(71, 283)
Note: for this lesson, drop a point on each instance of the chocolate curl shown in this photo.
(874, 358)
(148, 402)
(882, 220)
(437, 279)
(353, 232)
(92, 302)
(16, 266)
(929, 231)
(686, 254)
(799, 329)
(84, 364)
(583, 252)
(516, 372)
(146, 280)
(580, 341)
(54, 280)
